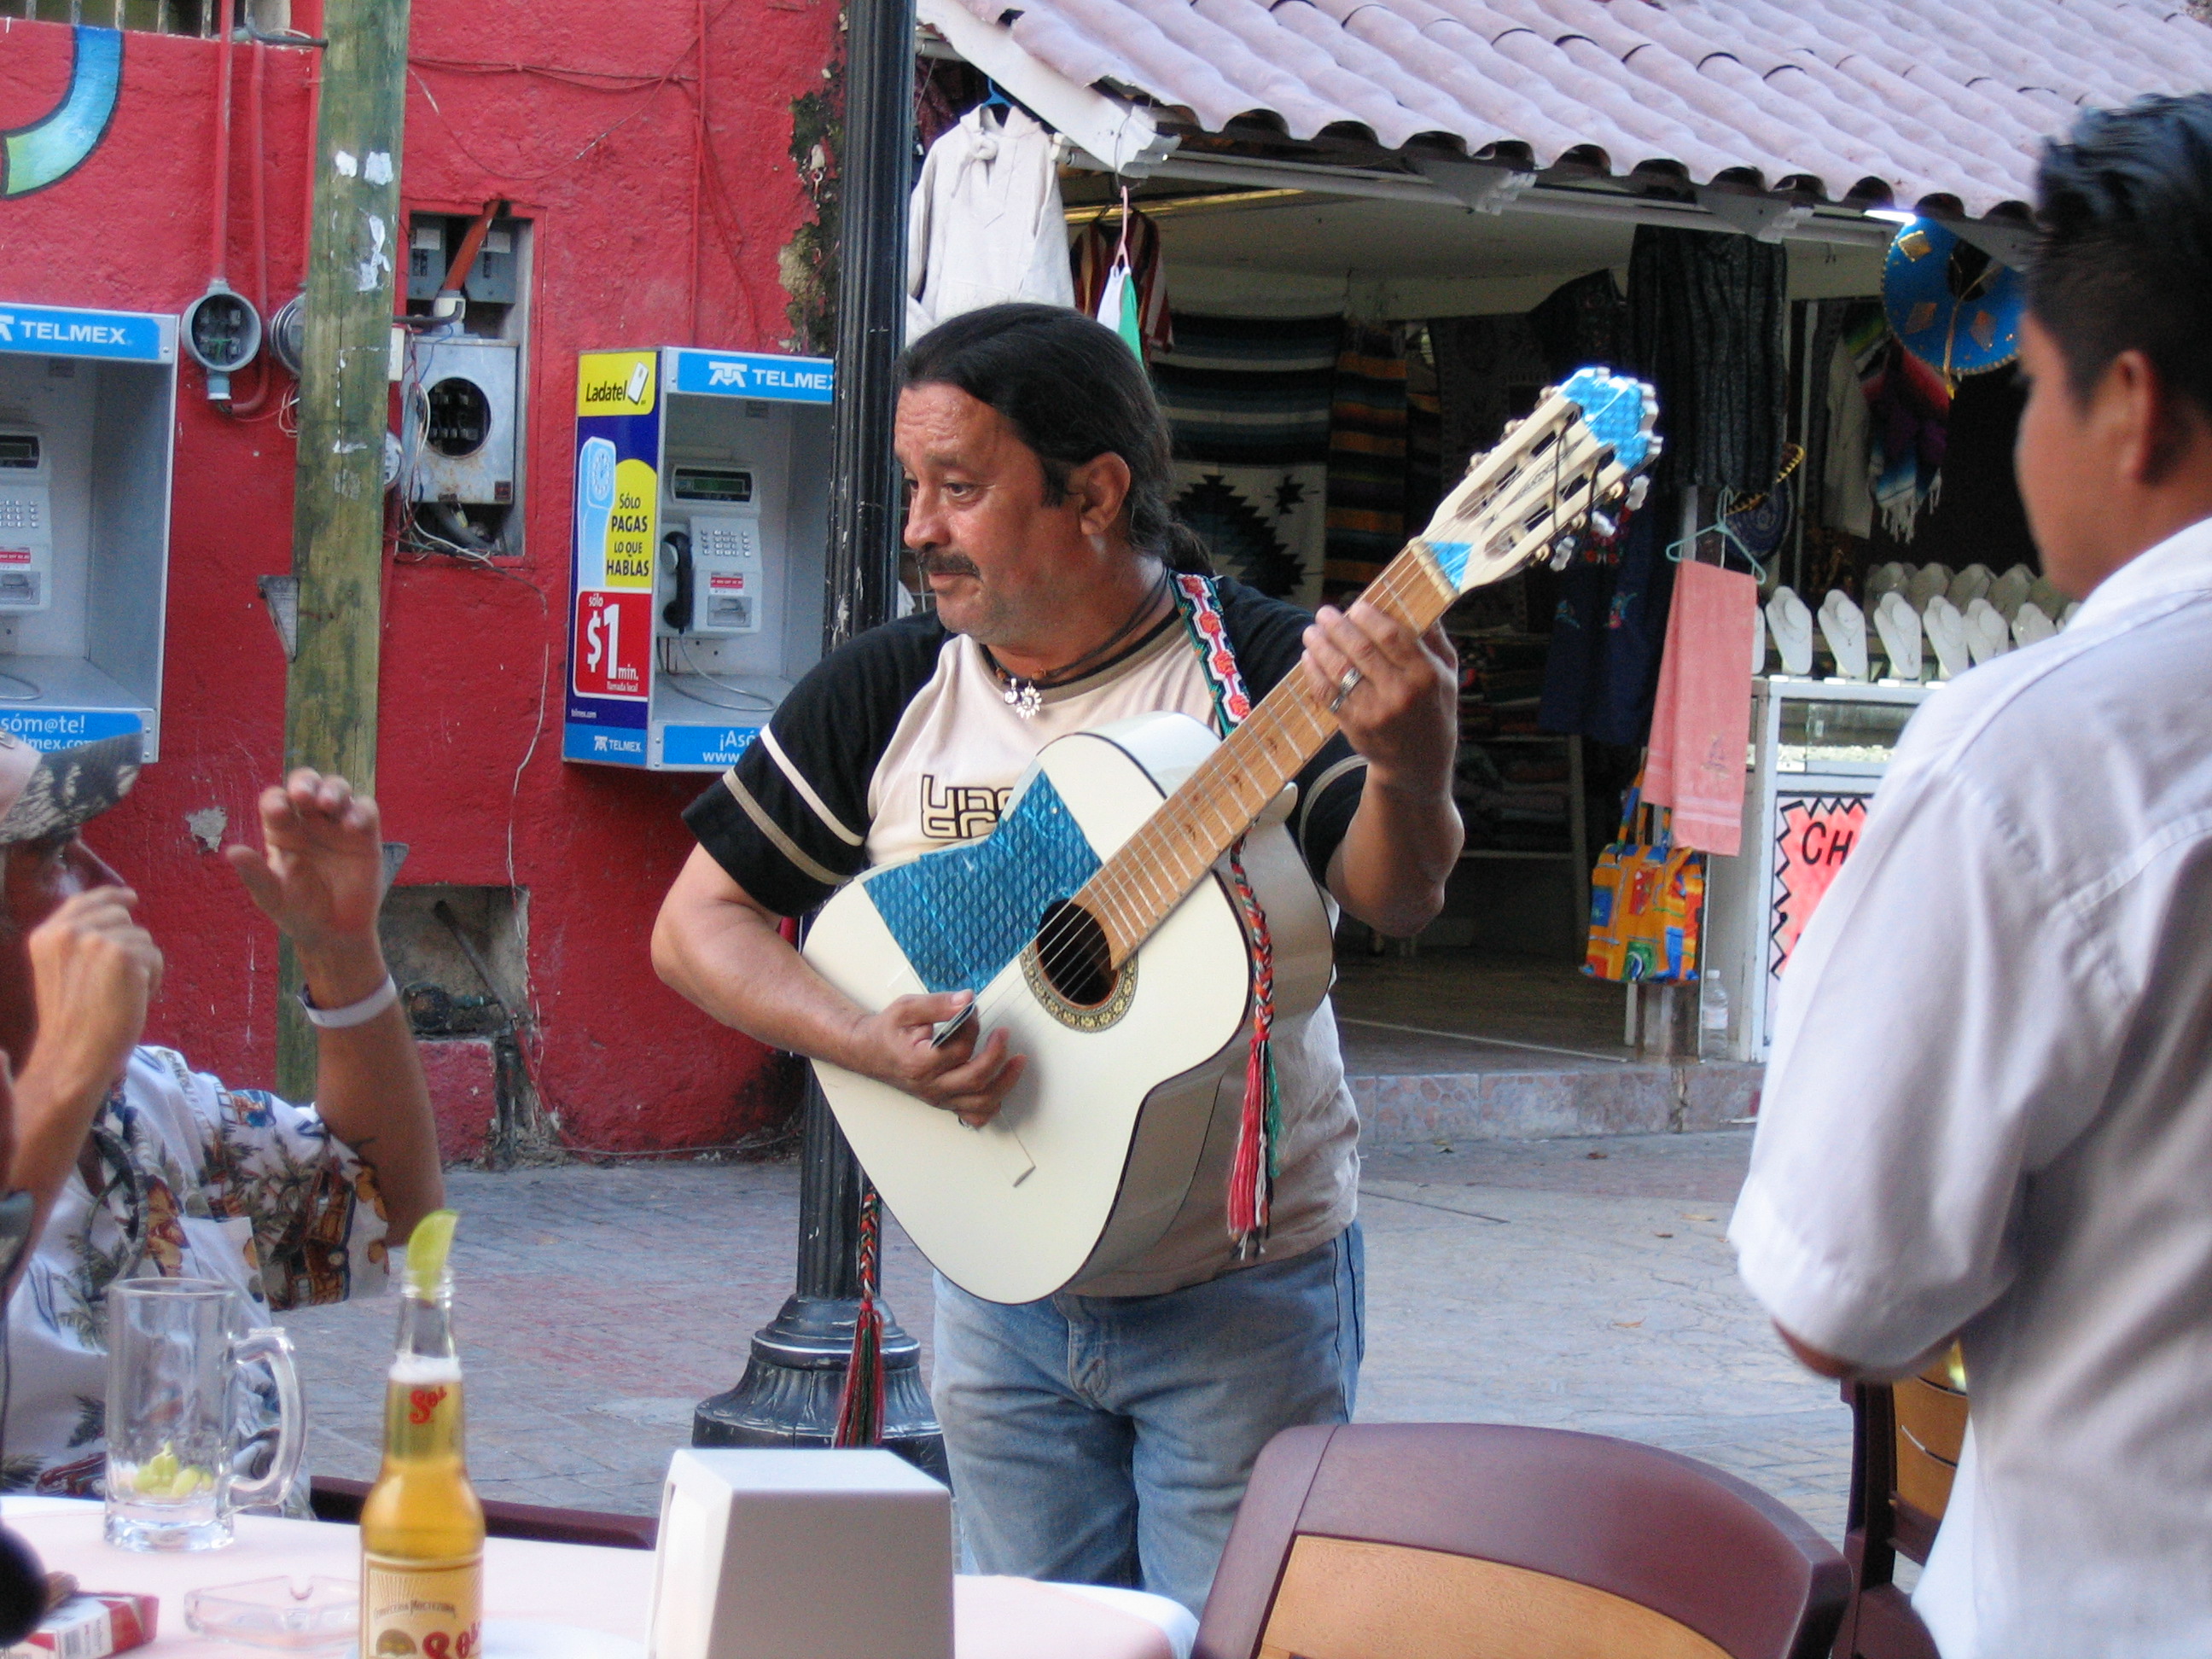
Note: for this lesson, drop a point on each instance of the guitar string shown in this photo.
(1110, 885)
(1207, 806)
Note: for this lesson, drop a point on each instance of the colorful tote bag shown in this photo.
(1647, 900)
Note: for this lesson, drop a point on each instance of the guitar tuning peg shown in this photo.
(1565, 546)
(1639, 491)
(1508, 429)
(1602, 527)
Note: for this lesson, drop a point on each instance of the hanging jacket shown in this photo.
(986, 224)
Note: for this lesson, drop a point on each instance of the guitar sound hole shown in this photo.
(1073, 954)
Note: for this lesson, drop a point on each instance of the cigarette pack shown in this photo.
(91, 1627)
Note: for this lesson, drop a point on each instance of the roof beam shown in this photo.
(1115, 136)
(1617, 208)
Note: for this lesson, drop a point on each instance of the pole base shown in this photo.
(789, 1394)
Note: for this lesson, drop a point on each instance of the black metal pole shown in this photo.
(789, 1394)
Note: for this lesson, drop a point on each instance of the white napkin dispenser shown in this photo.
(776, 1553)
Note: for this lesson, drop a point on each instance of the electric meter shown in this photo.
(221, 332)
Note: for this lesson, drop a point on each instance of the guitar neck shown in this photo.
(1133, 891)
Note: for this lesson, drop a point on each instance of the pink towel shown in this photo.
(1701, 718)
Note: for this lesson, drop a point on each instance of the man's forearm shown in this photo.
(53, 1116)
(1400, 847)
(369, 1087)
(731, 961)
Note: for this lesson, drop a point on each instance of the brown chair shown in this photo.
(1905, 1440)
(1451, 1540)
(334, 1499)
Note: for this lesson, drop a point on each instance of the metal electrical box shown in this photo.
(457, 439)
(88, 418)
(699, 552)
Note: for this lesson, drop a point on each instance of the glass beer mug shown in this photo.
(174, 1349)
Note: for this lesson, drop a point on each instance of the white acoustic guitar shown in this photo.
(1095, 927)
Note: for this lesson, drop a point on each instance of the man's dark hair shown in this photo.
(2124, 262)
(1073, 391)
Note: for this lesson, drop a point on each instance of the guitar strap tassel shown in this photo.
(860, 1404)
(1259, 1134)
(1260, 1129)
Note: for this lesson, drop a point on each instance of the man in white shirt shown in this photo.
(1989, 1110)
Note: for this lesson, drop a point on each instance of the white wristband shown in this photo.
(354, 1013)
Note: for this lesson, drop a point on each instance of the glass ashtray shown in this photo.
(282, 1614)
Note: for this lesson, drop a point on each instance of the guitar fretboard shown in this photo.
(1133, 891)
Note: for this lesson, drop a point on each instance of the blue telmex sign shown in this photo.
(705, 746)
(744, 375)
(55, 332)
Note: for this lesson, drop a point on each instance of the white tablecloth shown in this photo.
(531, 1589)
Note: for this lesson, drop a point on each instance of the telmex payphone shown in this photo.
(701, 529)
(87, 413)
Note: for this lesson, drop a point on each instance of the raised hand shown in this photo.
(319, 877)
(94, 970)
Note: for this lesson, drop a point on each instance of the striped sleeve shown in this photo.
(789, 822)
(1268, 638)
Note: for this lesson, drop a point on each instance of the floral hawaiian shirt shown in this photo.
(197, 1182)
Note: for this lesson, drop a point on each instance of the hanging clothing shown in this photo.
(985, 223)
(1489, 370)
(1603, 660)
(1909, 409)
(1707, 311)
(1701, 717)
(1846, 493)
(1247, 399)
(1424, 481)
(1366, 456)
(1095, 246)
(1582, 323)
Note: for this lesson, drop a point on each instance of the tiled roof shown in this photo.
(1924, 97)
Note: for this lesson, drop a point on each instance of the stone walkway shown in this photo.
(1581, 1283)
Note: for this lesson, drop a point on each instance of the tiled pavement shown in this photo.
(1581, 1283)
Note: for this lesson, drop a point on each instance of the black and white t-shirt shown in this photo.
(901, 742)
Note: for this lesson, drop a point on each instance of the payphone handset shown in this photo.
(712, 550)
(27, 519)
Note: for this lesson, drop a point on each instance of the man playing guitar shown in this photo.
(1103, 1434)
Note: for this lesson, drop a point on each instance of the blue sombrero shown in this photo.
(1954, 309)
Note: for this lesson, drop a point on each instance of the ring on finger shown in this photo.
(1345, 687)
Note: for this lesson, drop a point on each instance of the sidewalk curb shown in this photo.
(1609, 1100)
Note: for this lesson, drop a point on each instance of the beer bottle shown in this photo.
(421, 1528)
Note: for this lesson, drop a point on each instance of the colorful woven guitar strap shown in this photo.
(1260, 1131)
(861, 1402)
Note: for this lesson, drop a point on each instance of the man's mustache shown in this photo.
(935, 563)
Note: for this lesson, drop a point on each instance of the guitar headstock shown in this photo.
(1580, 451)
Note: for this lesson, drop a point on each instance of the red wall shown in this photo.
(593, 132)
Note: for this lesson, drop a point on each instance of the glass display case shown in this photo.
(1848, 736)
(1818, 749)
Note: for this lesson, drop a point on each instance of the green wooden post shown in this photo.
(355, 245)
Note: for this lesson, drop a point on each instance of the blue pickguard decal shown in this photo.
(962, 915)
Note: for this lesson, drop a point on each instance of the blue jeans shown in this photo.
(1107, 1439)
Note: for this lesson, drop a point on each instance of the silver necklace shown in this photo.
(1026, 696)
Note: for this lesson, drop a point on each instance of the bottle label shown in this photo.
(421, 1609)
